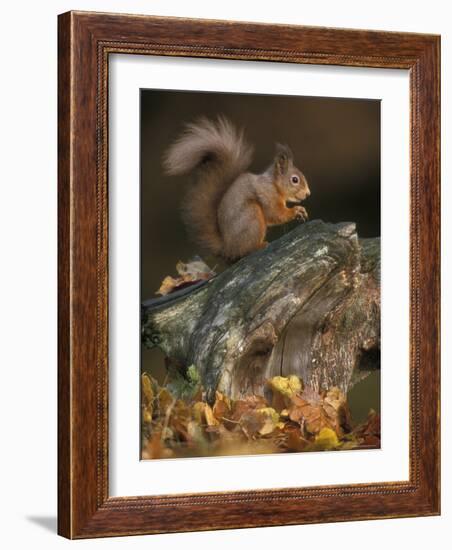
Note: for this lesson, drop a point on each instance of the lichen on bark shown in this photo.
(308, 304)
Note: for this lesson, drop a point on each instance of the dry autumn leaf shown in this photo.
(165, 400)
(146, 389)
(293, 440)
(251, 423)
(282, 389)
(210, 417)
(368, 433)
(286, 386)
(271, 420)
(325, 440)
(175, 426)
(222, 407)
(188, 273)
(314, 412)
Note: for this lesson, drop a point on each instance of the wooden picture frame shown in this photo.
(85, 42)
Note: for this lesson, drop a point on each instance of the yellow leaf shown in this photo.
(326, 440)
(210, 417)
(295, 384)
(147, 415)
(286, 386)
(165, 399)
(146, 387)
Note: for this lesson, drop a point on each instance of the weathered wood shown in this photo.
(309, 304)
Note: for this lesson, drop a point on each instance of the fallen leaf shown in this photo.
(368, 433)
(178, 423)
(189, 273)
(251, 423)
(286, 386)
(147, 391)
(147, 396)
(210, 417)
(312, 413)
(294, 440)
(222, 407)
(271, 420)
(156, 448)
(282, 389)
(243, 406)
(325, 440)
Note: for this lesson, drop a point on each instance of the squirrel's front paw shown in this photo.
(301, 213)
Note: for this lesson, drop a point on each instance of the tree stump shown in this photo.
(308, 304)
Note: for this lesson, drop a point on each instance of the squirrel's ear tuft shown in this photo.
(282, 159)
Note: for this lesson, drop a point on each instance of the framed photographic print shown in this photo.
(248, 275)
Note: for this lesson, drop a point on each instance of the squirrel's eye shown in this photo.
(295, 179)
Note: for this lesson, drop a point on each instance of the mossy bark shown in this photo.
(308, 304)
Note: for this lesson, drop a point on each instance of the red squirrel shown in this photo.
(228, 209)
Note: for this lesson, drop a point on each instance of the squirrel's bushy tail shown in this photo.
(219, 154)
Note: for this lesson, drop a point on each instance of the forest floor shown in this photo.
(290, 417)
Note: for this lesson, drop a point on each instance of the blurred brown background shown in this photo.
(336, 143)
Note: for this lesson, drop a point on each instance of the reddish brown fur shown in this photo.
(228, 210)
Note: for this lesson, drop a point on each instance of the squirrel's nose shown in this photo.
(308, 193)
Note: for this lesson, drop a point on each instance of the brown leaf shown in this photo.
(189, 273)
(222, 407)
(310, 412)
(168, 285)
(251, 423)
(309, 420)
(368, 433)
(294, 440)
(179, 418)
(156, 448)
(243, 406)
